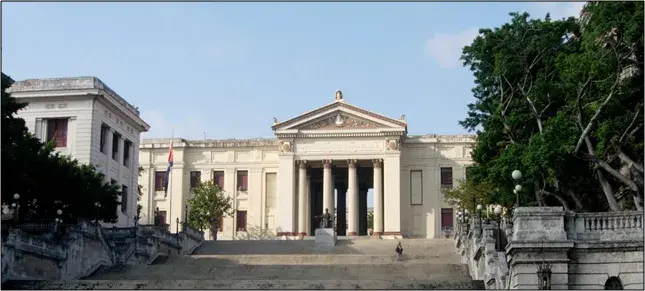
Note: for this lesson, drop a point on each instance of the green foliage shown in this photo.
(468, 194)
(46, 179)
(208, 205)
(539, 84)
(370, 220)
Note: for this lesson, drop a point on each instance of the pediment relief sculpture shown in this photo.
(339, 120)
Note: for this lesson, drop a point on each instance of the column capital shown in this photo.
(378, 163)
(352, 163)
(327, 164)
(302, 164)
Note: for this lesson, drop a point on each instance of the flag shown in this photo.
(171, 159)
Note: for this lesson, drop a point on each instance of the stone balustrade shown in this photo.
(584, 250)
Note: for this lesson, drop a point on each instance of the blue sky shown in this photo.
(225, 69)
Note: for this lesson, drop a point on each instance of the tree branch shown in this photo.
(628, 161)
(612, 171)
(624, 135)
(587, 129)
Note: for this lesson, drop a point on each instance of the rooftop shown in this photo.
(69, 83)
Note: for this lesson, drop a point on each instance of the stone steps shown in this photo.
(244, 284)
(324, 259)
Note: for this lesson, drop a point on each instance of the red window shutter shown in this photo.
(245, 180)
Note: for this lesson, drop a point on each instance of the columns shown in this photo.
(328, 191)
(308, 215)
(302, 199)
(378, 197)
(362, 209)
(352, 193)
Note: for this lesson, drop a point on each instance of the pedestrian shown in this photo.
(399, 251)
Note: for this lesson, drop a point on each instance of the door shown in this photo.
(446, 222)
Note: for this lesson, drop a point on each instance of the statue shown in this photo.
(339, 95)
(402, 117)
(275, 121)
(325, 219)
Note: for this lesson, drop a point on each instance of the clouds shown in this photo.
(445, 48)
(163, 127)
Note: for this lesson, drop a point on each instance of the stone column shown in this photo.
(341, 219)
(308, 206)
(392, 201)
(285, 198)
(378, 197)
(352, 193)
(328, 191)
(302, 198)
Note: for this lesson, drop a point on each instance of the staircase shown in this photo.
(271, 264)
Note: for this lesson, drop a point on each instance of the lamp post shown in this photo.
(177, 221)
(459, 219)
(498, 240)
(58, 220)
(517, 176)
(185, 217)
(16, 206)
(156, 221)
(479, 214)
(98, 211)
(544, 276)
(467, 221)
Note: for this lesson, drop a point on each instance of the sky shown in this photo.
(224, 70)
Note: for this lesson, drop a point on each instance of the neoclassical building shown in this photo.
(326, 158)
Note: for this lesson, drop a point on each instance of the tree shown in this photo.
(48, 180)
(208, 205)
(560, 100)
(467, 194)
(370, 220)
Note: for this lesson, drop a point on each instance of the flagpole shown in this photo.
(172, 137)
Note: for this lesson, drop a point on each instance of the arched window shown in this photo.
(613, 283)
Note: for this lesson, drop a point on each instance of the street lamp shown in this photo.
(498, 241)
(185, 217)
(517, 175)
(479, 213)
(58, 220)
(98, 211)
(459, 219)
(177, 220)
(16, 205)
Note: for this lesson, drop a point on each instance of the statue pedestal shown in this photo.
(325, 238)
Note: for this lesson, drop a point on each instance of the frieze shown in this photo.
(285, 147)
(338, 146)
(339, 120)
(392, 145)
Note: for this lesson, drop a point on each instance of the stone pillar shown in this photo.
(378, 197)
(392, 194)
(308, 206)
(352, 193)
(302, 199)
(538, 235)
(341, 219)
(286, 196)
(328, 192)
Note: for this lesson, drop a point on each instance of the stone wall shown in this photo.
(584, 250)
(87, 248)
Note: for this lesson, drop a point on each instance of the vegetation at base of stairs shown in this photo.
(561, 101)
(45, 180)
(208, 205)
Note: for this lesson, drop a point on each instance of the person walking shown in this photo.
(399, 251)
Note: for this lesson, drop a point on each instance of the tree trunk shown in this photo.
(606, 187)
(576, 200)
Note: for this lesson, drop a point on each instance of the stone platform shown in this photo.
(349, 264)
(325, 238)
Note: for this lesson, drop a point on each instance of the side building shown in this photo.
(90, 122)
(324, 159)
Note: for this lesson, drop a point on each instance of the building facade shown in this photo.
(327, 158)
(90, 122)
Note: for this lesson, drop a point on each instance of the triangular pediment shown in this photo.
(340, 116)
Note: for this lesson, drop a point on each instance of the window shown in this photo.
(242, 180)
(124, 198)
(160, 180)
(416, 187)
(218, 179)
(57, 132)
(241, 220)
(162, 217)
(195, 178)
(115, 146)
(127, 145)
(104, 135)
(446, 217)
(446, 177)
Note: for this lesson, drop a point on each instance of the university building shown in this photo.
(90, 122)
(325, 157)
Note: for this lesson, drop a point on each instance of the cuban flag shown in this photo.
(171, 159)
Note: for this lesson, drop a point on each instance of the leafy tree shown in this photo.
(467, 194)
(208, 205)
(561, 101)
(370, 220)
(47, 180)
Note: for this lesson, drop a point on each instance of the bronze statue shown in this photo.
(325, 219)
